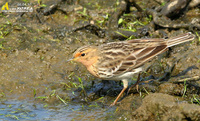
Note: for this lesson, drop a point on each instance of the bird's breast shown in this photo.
(93, 70)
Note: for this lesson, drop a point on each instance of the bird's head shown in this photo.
(87, 55)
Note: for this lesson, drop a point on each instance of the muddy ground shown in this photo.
(35, 47)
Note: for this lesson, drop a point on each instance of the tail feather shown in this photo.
(180, 39)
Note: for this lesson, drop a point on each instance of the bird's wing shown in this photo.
(143, 51)
(129, 55)
(142, 55)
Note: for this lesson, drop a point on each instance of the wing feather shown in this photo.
(126, 56)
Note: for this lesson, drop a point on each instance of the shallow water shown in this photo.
(23, 110)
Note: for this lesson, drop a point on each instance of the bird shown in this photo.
(121, 60)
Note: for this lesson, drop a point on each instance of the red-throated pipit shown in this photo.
(120, 60)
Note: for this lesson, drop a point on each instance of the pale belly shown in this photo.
(126, 75)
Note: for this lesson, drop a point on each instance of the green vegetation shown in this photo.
(26, 1)
(5, 29)
(94, 105)
(198, 36)
(163, 3)
(130, 23)
(146, 90)
(185, 89)
(84, 13)
(103, 20)
(2, 94)
(61, 99)
(194, 99)
(12, 116)
(40, 3)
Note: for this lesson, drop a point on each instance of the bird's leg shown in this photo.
(136, 84)
(125, 83)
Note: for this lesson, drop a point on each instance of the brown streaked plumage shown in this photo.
(120, 60)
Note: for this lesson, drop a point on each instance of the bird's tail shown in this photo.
(180, 39)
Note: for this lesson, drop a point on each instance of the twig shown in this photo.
(195, 78)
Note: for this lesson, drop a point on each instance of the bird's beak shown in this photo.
(71, 59)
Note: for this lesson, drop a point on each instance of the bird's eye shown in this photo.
(83, 54)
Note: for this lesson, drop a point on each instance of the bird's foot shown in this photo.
(136, 84)
(114, 103)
